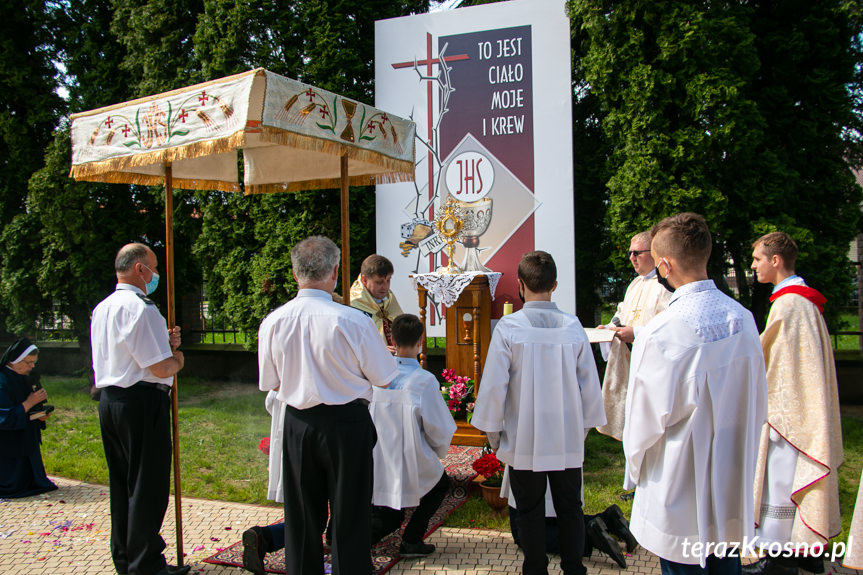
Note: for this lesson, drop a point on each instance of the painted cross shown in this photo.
(428, 63)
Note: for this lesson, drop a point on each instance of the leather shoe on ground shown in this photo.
(619, 526)
(420, 549)
(772, 566)
(602, 540)
(174, 570)
(254, 550)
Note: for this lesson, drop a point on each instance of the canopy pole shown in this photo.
(346, 235)
(175, 422)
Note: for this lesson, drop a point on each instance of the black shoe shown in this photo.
(811, 564)
(254, 550)
(420, 549)
(772, 566)
(619, 526)
(627, 496)
(601, 540)
(174, 570)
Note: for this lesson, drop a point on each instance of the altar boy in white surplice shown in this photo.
(696, 402)
(538, 394)
(414, 430)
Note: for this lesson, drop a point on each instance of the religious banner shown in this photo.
(489, 90)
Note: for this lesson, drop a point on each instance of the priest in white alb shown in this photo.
(696, 402)
(645, 297)
(538, 394)
(797, 482)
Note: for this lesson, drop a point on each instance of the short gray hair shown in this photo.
(642, 238)
(314, 259)
(129, 255)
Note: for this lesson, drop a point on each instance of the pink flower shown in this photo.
(458, 391)
(453, 404)
(448, 374)
(470, 406)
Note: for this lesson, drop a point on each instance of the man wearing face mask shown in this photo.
(134, 360)
(696, 402)
(645, 297)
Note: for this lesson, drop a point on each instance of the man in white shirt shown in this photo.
(797, 478)
(696, 401)
(538, 394)
(135, 360)
(644, 298)
(324, 358)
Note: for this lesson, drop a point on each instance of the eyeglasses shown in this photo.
(637, 253)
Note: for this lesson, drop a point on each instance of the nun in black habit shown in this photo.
(21, 470)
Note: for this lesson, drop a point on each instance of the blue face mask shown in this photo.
(153, 283)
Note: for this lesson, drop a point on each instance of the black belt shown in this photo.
(152, 385)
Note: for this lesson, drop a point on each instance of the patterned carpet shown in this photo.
(386, 553)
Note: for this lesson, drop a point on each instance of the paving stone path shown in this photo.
(66, 533)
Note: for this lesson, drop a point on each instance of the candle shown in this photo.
(507, 308)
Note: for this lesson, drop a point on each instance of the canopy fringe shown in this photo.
(159, 157)
(312, 143)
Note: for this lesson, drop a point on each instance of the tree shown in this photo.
(244, 247)
(28, 113)
(73, 230)
(733, 110)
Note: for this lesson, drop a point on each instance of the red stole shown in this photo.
(812, 295)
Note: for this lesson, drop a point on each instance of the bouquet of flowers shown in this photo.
(264, 446)
(489, 467)
(458, 394)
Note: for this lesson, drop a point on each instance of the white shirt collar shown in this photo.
(691, 288)
(792, 280)
(130, 287)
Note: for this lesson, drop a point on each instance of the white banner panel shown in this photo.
(489, 89)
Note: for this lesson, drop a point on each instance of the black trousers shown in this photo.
(529, 487)
(328, 457)
(386, 519)
(136, 435)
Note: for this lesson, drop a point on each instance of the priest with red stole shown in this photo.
(796, 481)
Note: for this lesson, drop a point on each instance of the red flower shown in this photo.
(264, 445)
(488, 465)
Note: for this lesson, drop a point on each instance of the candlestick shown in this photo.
(507, 308)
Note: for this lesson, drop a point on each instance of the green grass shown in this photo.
(220, 428)
(222, 424)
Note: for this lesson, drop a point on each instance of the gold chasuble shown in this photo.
(644, 298)
(382, 313)
(803, 407)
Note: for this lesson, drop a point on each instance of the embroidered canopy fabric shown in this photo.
(446, 288)
(292, 136)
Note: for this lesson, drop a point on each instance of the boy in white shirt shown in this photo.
(414, 430)
(539, 392)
